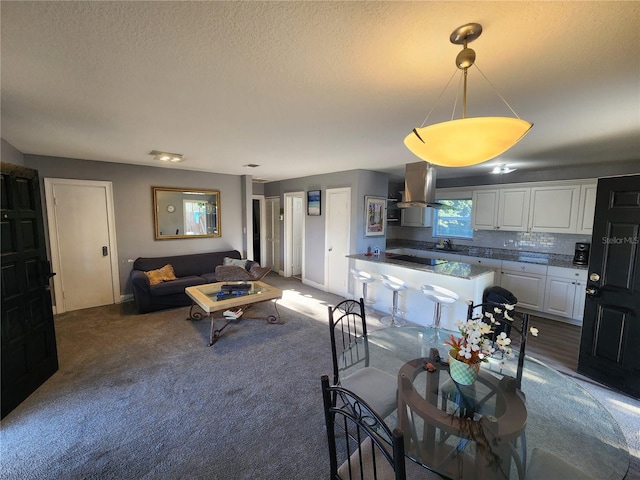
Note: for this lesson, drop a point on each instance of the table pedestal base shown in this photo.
(215, 333)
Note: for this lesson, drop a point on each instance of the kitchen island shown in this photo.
(467, 280)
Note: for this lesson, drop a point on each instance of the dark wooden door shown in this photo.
(28, 342)
(610, 341)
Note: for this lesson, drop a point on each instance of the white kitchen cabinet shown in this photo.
(580, 299)
(587, 208)
(513, 209)
(554, 209)
(565, 292)
(415, 216)
(526, 281)
(484, 210)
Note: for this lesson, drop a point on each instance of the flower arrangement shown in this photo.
(478, 342)
(475, 345)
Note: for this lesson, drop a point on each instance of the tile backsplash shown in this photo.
(559, 243)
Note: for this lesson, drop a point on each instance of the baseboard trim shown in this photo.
(319, 286)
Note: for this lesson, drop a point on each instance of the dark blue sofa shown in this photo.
(195, 269)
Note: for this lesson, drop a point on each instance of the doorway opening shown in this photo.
(259, 228)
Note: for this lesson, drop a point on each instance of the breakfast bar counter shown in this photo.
(467, 280)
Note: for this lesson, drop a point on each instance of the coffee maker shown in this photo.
(581, 257)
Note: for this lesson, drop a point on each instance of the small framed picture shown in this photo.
(313, 203)
(375, 212)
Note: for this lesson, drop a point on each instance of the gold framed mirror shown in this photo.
(186, 213)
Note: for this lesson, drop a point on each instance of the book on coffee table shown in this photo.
(235, 287)
(233, 314)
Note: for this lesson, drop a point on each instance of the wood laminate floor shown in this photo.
(557, 344)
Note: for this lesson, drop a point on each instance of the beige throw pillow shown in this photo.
(160, 275)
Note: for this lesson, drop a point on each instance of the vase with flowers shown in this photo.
(476, 345)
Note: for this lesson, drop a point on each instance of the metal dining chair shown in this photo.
(368, 449)
(350, 349)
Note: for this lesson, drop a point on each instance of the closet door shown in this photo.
(272, 222)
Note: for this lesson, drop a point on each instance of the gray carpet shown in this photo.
(142, 396)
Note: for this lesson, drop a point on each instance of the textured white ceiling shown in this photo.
(305, 88)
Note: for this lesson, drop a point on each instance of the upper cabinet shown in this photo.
(556, 207)
(513, 209)
(587, 208)
(484, 209)
(501, 209)
(415, 216)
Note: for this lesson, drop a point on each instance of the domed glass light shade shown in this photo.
(468, 140)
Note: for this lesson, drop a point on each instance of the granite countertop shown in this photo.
(550, 259)
(453, 269)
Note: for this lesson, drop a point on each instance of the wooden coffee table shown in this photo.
(206, 297)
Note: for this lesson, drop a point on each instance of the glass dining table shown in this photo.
(489, 429)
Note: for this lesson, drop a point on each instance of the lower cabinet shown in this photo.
(526, 281)
(565, 292)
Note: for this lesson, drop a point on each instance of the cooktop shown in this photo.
(421, 260)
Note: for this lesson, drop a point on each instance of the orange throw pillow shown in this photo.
(160, 275)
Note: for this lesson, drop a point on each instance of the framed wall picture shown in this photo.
(375, 212)
(313, 202)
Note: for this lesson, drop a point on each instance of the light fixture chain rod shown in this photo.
(496, 90)
(455, 103)
(438, 99)
(464, 94)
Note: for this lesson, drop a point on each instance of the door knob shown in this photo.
(592, 291)
(594, 277)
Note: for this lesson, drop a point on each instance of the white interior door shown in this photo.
(294, 228)
(272, 233)
(83, 243)
(337, 239)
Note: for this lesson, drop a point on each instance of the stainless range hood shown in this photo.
(419, 186)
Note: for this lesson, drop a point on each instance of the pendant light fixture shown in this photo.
(468, 140)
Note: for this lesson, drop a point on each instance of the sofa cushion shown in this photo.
(210, 277)
(160, 275)
(175, 286)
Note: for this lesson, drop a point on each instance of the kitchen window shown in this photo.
(453, 219)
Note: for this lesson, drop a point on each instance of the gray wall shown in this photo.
(133, 205)
(10, 154)
(362, 183)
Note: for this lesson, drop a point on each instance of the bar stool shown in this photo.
(365, 278)
(396, 285)
(439, 295)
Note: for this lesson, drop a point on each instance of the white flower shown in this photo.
(533, 331)
(503, 341)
